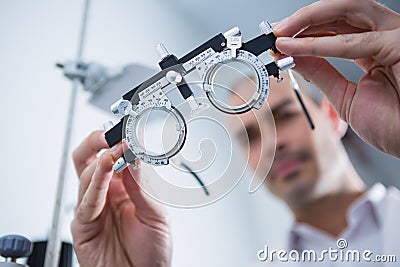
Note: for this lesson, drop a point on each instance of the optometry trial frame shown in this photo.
(206, 60)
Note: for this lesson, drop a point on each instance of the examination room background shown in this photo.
(34, 99)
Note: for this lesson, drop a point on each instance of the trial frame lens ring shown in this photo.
(211, 82)
(137, 146)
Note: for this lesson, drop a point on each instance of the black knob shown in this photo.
(15, 246)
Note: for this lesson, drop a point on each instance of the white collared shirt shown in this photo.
(373, 228)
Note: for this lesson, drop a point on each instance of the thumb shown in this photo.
(146, 206)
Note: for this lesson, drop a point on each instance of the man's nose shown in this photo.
(281, 140)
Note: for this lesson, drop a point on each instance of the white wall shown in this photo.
(34, 99)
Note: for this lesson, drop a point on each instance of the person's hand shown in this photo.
(115, 223)
(366, 32)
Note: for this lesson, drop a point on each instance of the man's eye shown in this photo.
(285, 116)
(253, 135)
(250, 136)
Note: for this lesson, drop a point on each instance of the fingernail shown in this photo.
(280, 24)
(284, 39)
(102, 138)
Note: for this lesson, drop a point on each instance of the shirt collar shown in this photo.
(372, 199)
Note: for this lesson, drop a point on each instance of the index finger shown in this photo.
(88, 149)
(364, 14)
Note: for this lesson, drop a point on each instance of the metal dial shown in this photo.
(216, 62)
(133, 125)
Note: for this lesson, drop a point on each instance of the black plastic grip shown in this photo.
(128, 96)
(260, 44)
(168, 61)
(185, 90)
(114, 135)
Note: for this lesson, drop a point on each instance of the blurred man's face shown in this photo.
(304, 159)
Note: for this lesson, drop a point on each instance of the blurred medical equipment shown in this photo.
(13, 247)
(98, 80)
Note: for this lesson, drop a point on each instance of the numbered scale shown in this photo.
(217, 57)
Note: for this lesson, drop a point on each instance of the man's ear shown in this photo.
(339, 125)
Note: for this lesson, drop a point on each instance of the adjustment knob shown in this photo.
(232, 32)
(173, 77)
(265, 27)
(285, 63)
(120, 165)
(162, 51)
(15, 246)
(122, 106)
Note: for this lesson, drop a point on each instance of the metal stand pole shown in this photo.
(54, 244)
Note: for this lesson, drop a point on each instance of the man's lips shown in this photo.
(284, 168)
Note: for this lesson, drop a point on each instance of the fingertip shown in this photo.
(87, 150)
(134, 170)
(279, 26)
(97, 139)
(125, 144)
(106, 162)
(95, 135)
(102, 137)
(283, 44)
(130, 182)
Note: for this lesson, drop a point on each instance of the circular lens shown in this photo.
(158, 131)
(225, 78)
